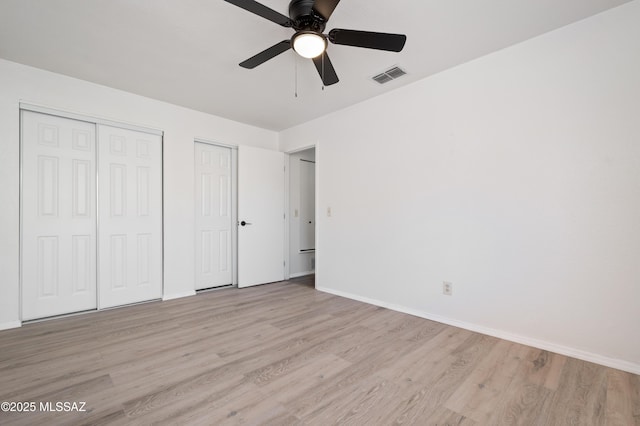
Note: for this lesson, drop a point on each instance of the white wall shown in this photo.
(299, 263)
(21, 83)
(515, 176)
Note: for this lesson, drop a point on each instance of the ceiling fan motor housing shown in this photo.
(304, 17)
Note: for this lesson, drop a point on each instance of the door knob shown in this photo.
(243, 223)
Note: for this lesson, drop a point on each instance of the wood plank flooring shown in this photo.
(285, 354)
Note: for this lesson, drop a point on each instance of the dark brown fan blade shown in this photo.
(325, 69)
(267, 54)
(370, 40)
(325, 7)
(262, 10)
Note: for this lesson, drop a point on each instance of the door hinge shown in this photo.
(284, 263)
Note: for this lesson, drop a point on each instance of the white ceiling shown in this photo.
(186, 52)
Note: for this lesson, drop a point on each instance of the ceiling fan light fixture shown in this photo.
(309, 44)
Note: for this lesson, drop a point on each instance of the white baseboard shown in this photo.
(10, 324)
(301, 274)
(619, 364)
(178, 295)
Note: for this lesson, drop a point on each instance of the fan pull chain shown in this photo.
(295, 61)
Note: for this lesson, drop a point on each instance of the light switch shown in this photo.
(328, 211)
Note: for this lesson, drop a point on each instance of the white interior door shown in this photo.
(58, 216)
(213, 167)
(261, 181)
(130, 212)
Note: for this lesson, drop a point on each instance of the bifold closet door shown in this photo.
(130, 216)
(213, 216)
(58, 259)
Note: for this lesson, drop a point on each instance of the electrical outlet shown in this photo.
(447, 288)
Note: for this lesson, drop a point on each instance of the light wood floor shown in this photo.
(286, 354)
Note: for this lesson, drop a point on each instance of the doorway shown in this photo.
(302, 207)
(239, 216)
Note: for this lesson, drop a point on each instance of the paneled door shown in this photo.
(130, 212)
(58, 244)
(261, 216)
(213, 176)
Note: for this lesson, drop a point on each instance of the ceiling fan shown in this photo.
(309, 18)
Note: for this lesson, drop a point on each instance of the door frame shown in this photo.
(287, 204)
(234, 208)
(42, 109)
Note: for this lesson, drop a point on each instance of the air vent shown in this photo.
(389, 75)
(382, 78)
(395, 72)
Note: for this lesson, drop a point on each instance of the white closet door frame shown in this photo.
(234, 208)
(24, 106)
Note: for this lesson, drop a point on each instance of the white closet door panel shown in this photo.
(213, 216)
(130, 216)
(58, 216)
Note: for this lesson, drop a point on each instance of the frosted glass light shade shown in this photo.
(309, 45)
